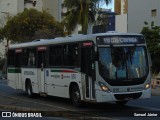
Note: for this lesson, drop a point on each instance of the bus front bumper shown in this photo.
(102, 96)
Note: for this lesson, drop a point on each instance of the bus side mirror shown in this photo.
(96, 56)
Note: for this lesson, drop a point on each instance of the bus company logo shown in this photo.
(55, 76)
(73, 76)
(64, 76)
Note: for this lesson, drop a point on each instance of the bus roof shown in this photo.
(68, 39)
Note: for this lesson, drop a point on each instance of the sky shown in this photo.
(110, 6)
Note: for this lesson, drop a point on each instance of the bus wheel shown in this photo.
(29, 89)
(121, 102)
(76, 97)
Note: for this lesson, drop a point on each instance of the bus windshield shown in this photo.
(128, 62)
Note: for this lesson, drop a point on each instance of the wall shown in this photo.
(53, 7)
(8, 8)
(38, 5)
(140, 11)
(121, 23)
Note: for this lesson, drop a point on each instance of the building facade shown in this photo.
(54, 7)
(120, 6)
(110, 23)
(10, 8)
(121, 23)
(121, 10)
(140, 11)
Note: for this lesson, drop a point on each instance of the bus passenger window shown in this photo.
(25, 57)
(31, 58)
(70, 55)
(28, 58)
(55, 55)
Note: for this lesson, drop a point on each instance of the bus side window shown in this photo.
(25, 57)
(71, 55)
(31, 57)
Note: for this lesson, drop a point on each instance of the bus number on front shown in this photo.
(116, 90)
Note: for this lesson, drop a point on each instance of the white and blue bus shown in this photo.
(105, 67)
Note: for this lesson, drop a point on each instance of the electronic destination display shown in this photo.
(109, 40)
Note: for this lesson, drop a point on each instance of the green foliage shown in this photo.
(1, 35)
(81, 12)
(22, 27)
(152, 35)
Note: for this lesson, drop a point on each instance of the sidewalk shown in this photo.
(156, 91)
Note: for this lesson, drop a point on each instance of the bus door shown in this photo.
(41, 68)
(88, 72)
(18, 76)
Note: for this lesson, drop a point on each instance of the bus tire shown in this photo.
(29, 89)
(76, 96)
(121, 103)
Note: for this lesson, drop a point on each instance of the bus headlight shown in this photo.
(147, 86)
(104, 87)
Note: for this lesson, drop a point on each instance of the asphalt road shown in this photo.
(63, 108)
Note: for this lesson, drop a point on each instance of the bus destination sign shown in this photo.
(120, 40)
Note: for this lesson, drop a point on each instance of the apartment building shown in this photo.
(110, 22)
(121, 10)
(12, 7)
(8, 8)
(140, 11)
(54, 7)
(120, 6)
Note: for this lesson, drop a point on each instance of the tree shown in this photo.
(23, 26)
(1, 35)
(2, 62)
(81, 12)
(152, 35)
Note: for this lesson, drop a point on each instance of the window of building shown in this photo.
(154, 13)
